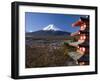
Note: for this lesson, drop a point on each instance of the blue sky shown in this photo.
(37, 21)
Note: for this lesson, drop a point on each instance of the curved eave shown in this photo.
(75, 44)
(78, 23)
(75, 34)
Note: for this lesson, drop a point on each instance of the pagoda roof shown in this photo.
(75, 44)
(80, 21)
(85, 44)
(75, 33)
(80, 32)
(84, 58)
(84, 19)
(84, 32)
(77, 23)
(75, 55)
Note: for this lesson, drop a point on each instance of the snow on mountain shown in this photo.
(49, 30)
(51, 27)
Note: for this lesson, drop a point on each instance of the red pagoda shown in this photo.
(81, 56)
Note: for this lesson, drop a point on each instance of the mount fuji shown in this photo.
(51, 27)
(50, 30)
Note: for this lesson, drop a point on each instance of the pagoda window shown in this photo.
(82, 37)
(83, 27)
(82, 49)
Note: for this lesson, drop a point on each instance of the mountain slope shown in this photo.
(50, 30)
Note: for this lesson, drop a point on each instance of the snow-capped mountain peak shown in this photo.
(51, 27)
